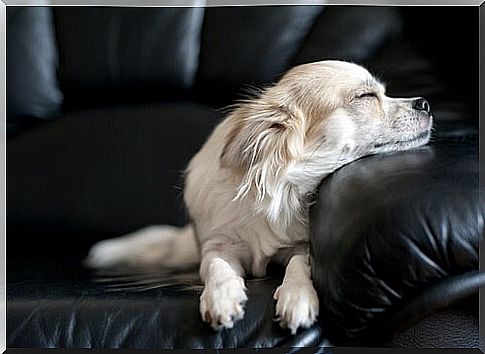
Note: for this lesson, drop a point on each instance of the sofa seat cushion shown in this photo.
(452, 327)
(62, 304)
(398, 235)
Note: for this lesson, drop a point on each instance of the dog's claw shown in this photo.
(297, 306)
(223, 305)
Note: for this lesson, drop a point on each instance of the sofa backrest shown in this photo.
(94, 56)
(32, 86)
(120, 54)
(115, 50)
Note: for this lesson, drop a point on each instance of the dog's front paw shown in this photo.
(296, 306)
(222, 303)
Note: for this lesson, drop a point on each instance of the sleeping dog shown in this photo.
(248, 189)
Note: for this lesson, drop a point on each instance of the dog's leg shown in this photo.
(297, 300)
(222, 301)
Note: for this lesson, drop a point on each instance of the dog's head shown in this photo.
(316, 118)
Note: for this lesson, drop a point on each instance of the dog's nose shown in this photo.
(421, 105)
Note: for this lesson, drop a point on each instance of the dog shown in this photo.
(248, 189)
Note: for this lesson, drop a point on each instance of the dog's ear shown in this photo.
(263, 132)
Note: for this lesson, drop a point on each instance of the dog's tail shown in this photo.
(168, 247)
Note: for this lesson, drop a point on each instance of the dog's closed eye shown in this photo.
(367, 95)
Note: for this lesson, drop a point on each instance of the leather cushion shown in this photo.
(454, 327)
(100, 173)
(350, 33)
(112, 51)
(60, 304)
(386, 228)
(243, 46)
(32, 88)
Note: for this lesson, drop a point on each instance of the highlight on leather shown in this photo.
(395, 234)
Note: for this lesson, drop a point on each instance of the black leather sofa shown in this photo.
(107, 105)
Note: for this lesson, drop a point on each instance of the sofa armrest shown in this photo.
(392, 235)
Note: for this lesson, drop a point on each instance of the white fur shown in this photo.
(249, 187)
(224, 295)
(166, 246)
(297, 300)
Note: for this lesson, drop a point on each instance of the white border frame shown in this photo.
(166, 3)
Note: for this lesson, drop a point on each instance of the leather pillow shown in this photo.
(397, 232)
(32, 87)
(128, 54)
(250, 46)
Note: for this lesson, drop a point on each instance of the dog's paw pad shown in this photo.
(296, 306)
(222, 304)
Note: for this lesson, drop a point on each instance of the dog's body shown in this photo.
(248, 189)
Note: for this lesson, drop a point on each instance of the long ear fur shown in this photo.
(258, 128)
(263, 142)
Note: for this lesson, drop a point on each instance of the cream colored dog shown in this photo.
(248, 189)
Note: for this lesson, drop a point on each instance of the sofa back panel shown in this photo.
(251, 45)
(106, 49)
(350, 33)
(32, 87)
